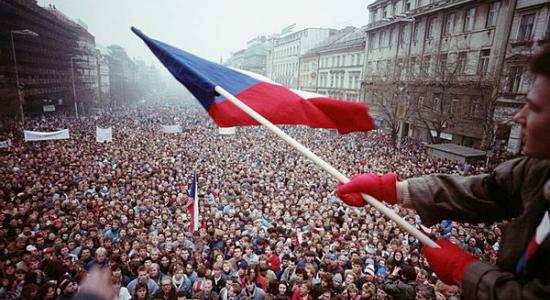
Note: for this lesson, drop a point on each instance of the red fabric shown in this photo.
(449, 262)
(274, 262)
(381, 187)
(281, 106)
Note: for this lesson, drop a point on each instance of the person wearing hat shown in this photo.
(66, 287)
(401, 284)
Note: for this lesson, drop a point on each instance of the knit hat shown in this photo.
(64, 282)
(370, 270)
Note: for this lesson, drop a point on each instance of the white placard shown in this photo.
(5, 144)
(103, 134)
(48, 108)
(228, 130)
(45, 136)
(171, 128)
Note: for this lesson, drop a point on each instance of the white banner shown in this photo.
(48, 108)
(44, 136)
(103, 134)
(5, 144)
(228, 130)
(171, 128)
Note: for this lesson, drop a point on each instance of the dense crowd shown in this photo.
(271, 226)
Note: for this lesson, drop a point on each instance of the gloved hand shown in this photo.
(381, 187)
(449, 262)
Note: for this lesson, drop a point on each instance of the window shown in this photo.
(430, 28)
(483, 66)
(514, 79)
(420, 101)
(492, 14)
(474, 107)
(381, 36)
(469, 19)
(449, 24)
(426, 64)
(412, 66)
(407, 5)
(461, 62)
(436, 104)
(390, 38)
(455, 106)
(547, 33)
(443, 63)
(416, 30)
(401, 36)
(526, 27)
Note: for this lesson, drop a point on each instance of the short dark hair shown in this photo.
(540, 62)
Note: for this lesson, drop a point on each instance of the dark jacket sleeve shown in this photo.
(473, 199)
(86, 296)
(484, 281)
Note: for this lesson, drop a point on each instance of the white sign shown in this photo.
(171, 128)
(45, 136)
(103, 134)
(443, 135)
(228, 130)
(48, 108)
(5, 144)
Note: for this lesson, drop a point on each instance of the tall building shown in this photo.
(530, 30)
(432, 67)
(341, 65)
(37, 46)
(287, 50)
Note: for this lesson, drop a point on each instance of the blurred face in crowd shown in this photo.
(166, 285)
(141, 293)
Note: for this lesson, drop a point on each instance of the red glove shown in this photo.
(449, 262)
(381, 187)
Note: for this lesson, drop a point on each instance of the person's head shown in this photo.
(67, 286)
(534, 117)
(283, 289)
(100, 254)
(250, 284)
(142, 275)
(235, 289)
(166, 284)
(207, 287)
(141, 290)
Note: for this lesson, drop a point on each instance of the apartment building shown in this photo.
(432, 67)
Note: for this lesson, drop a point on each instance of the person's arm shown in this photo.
(481, 198)
(485, 281)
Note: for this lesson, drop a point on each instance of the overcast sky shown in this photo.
(208, 28)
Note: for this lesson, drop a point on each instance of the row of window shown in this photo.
(386, 38)
(460, 63)
(456, 105)
(338, 80)
(285, 69)
(342, 60)
(288, 51)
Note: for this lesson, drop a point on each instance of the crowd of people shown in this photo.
(271, 226)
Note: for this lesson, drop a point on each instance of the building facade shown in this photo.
(432, 67)
(36, 48)
(341, 65)
(287, 50)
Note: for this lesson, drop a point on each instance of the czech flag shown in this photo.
(273, 101)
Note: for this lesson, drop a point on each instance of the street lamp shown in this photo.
(18, 85)
(74, 88)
